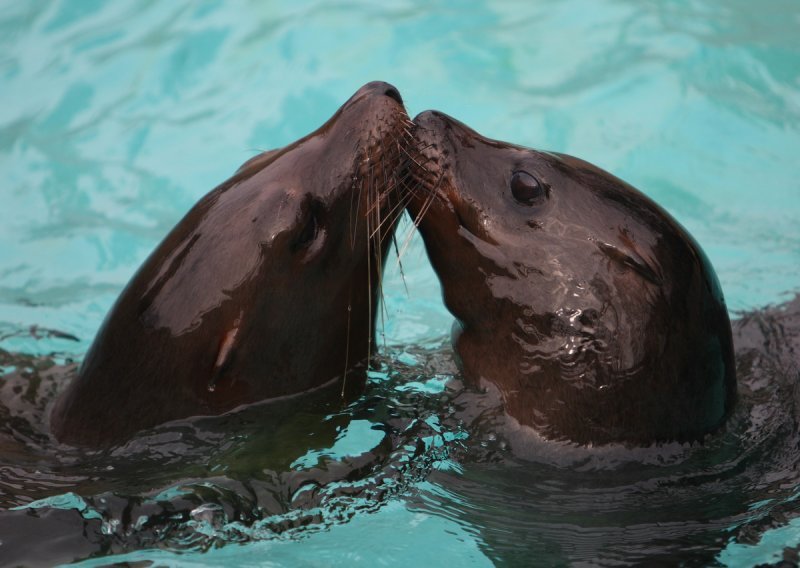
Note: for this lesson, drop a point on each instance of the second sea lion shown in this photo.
(594, 313)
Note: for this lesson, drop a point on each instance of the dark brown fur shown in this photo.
(594, 312)
(268, 287)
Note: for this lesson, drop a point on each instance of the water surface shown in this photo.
(115, 117)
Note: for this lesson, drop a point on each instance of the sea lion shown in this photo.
(267, 287)
(594, 313)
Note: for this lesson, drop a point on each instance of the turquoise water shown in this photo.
(115, 117)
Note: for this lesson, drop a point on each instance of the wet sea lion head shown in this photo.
(594, 313)
(268, 287)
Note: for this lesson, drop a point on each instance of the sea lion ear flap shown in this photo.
(227, 348)
(259, 161)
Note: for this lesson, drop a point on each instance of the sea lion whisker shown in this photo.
(382, 302)
(358, 208)
(383, 193)
(428, 187)
(404, 199)
(398, 182)
(377, 229)
(406, 242)
(406, 195)
(352, 218)
(400, 265)
(397, 209)
(347, 342)
(410, 157)
(388, 192)
(432, 195)
(412, 189)
(429, 199)
(416, 221)
(369, 296)
(391, 222)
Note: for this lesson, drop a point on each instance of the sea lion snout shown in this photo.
(378, 88)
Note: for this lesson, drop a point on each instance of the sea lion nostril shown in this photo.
(393, 93)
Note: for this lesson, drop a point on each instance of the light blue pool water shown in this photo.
(115, 117)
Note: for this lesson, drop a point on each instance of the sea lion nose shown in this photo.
(430, 118)
(380, 88)
(393, 93)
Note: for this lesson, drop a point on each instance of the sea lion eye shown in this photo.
(526, 189)
(309, 232)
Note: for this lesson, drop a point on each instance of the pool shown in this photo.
(115, 117)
